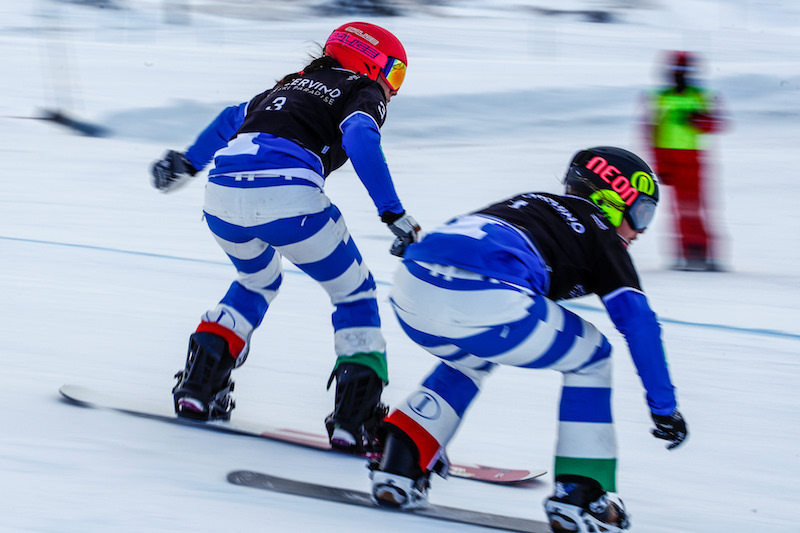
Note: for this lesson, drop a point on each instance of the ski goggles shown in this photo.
(640, 214)
(394, 72)
(392, 69)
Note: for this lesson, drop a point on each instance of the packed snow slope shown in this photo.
(102, 278)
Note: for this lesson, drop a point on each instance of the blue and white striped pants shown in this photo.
(257, 222)
(473, 323)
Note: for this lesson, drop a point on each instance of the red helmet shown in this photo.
(370, 50)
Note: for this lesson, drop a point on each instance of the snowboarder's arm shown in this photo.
(216, 136)
(632, 316)
(361, 140)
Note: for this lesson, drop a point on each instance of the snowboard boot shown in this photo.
(204, 387)
(398, 482)
(581, 505)
(352, 426)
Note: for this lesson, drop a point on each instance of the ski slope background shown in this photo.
(102, 278)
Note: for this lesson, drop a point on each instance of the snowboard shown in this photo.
(87, 397)
(259, 480)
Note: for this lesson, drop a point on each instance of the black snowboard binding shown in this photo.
(204, 387)
(353, 424)
(398, 482)
(580, 505)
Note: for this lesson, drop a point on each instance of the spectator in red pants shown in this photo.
(678, 117)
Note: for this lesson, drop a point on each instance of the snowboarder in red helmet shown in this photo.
(265, 201)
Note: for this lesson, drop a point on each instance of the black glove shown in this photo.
(405, 229)
(671, 428)
(171, 172)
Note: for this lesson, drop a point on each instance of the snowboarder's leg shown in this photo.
(221, 341)
(586, 452)
(586, 443)
(328, 254)
(417, 432)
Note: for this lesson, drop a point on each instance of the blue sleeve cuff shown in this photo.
(632, 316)
(216, 136)
(361, 140)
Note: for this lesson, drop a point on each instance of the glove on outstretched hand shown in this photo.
(671, 428)
(405, 229)
(171, 172)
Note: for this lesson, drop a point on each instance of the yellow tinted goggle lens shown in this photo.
(394, 72)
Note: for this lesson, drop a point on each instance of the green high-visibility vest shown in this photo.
(671, 112)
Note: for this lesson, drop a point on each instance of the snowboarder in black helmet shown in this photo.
(483, 290)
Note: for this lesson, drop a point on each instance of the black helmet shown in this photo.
(619, 182)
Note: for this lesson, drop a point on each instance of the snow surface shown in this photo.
(102, 278)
